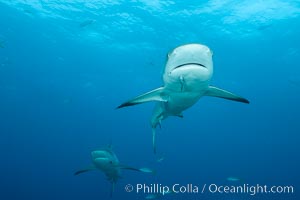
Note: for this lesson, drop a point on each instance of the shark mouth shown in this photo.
(182, 65)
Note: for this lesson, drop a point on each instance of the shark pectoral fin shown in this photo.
(154, 95)
(128, 168)
(145, 170)
(85, 170)
(217, 92)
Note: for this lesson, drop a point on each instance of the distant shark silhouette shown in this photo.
(106, 161)
(186, 79)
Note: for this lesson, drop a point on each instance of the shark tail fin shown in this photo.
(84, 170)
(112, 188)
(154, 139)
(217, 92)
(154, 95)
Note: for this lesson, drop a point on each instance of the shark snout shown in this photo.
(99, 160)
(99, 154)
(188, 73)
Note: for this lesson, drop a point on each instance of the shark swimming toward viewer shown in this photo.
(106, 161)
(186, 78)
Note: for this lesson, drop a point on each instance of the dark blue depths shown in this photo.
(65, 67)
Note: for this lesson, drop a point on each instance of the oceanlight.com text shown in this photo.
(177, 188)
(250, 189)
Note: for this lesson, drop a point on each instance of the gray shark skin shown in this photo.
(106, 161)
(186, 78)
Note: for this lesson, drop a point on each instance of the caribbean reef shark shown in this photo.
(186, 78)
(106, 161)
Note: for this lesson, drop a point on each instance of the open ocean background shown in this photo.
(66, 65)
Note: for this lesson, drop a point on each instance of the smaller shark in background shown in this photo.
(106, 161)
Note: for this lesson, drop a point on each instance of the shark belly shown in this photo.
(178, 101)
(113, 174)
(184, 86)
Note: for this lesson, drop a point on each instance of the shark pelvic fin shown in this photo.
(154, 95)
(180, 115)
(217, 92)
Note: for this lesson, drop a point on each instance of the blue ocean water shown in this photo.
(66, 65)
